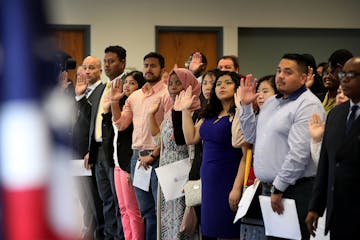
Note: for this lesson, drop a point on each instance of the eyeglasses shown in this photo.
(342, 75)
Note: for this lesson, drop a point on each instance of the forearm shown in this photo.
(154, 128)
(188, 128)
(239, 179)
(116, 111)
(248, 123)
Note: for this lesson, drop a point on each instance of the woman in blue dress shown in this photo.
(222, 172)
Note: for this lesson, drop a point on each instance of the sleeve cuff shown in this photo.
(78, 98)
(282, 186)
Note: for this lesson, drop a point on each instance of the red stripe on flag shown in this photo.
(25, 214)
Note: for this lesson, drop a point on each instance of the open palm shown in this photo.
(184, 100)
(247, 90)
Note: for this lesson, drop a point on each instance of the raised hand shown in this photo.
(184, 100)
(247, 90)
(63, 80)
(116, 90)
(196, 62)
(81, 85)
(316, 127)
(310, 77)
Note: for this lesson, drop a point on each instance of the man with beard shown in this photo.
(282, 160)
(336, 184)
(135, 110)
(330, 78)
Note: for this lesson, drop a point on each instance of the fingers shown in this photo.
(233, 205)
(276, 203)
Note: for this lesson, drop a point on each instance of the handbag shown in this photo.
(189, 222)
(192, 191)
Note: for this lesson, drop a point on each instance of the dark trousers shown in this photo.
(90, 200)
(301, 193)
(104, 172)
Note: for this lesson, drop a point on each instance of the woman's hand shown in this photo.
(234, 198)
(184, 100)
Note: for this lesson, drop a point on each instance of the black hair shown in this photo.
(158, 56)
(138, 76)
(214, 107)
(212, 72)
(340, 56)
(318, 86)
(299, 59)
(270, 79)
(119, 51)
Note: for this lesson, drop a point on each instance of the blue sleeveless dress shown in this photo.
(218, 171)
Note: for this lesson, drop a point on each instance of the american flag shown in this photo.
(33, 150)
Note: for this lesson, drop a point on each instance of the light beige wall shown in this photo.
(131, 23)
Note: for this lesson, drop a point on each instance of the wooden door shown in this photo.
(176, 45)
(74, 40)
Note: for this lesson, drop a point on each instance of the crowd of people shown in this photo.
(301, 122)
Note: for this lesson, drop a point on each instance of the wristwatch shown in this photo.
(274, 190)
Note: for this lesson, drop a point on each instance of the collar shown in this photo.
(94, 85)
(352, 104)
(295, 94)
(147, 89)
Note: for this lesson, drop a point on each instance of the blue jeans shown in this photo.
(105, 182)
(147, 200)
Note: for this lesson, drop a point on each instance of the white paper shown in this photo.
(172, 178)
(142, 177)
(246, 200)
(285, 225)
(78, 169)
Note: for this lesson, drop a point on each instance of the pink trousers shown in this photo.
(133, 224)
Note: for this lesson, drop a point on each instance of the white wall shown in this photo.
(131, 23)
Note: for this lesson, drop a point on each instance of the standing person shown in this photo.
(170, 213)
(135, 111)
(115, 62)
(228, 63)
(338, 172)
(331, 79)
(132, 221)
(208, 80)
(89, 196)
(99, 157)
(197, 64)
(222, 172)
(282, 158)
(266, 88)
